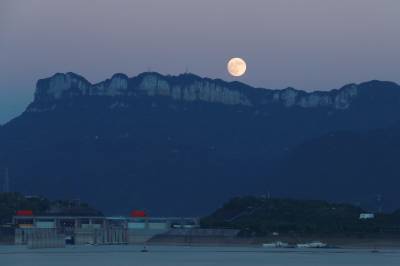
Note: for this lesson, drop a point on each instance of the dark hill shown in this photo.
(10, 203)
(260, 216)
(361, 167)
(175, 145)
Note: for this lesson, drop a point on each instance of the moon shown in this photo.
(236, 67)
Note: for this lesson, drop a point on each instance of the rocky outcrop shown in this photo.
(337, 99)
(188, 87)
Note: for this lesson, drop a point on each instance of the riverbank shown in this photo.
(372, 241)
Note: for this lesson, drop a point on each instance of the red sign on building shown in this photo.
(138, 213)
(24, 213)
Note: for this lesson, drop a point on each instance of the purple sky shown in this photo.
(307, 44)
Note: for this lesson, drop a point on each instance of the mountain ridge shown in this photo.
(133, 149)
(189, 87)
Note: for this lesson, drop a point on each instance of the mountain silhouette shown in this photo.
(182, 145)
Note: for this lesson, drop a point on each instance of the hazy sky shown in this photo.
(307, 44)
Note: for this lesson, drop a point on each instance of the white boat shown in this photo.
(314, 244)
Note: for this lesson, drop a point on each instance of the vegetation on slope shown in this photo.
(10, 203)
(261, 216)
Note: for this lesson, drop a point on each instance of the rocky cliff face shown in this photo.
(188, 87)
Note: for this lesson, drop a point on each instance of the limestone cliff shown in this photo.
(188, 87)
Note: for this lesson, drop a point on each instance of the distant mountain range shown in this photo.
(183, 144)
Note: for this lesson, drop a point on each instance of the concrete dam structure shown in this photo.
(56, 231)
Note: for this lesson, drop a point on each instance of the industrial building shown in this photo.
(48, 231)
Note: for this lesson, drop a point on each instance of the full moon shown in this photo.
(236, 67)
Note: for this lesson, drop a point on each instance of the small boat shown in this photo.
(277, 244)
(315, 244)
(375, 250)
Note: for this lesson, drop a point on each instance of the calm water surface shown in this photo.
(190, 256)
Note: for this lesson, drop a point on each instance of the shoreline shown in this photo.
(332, 242)
(372, 242)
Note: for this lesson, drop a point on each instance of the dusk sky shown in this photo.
(307, 44)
